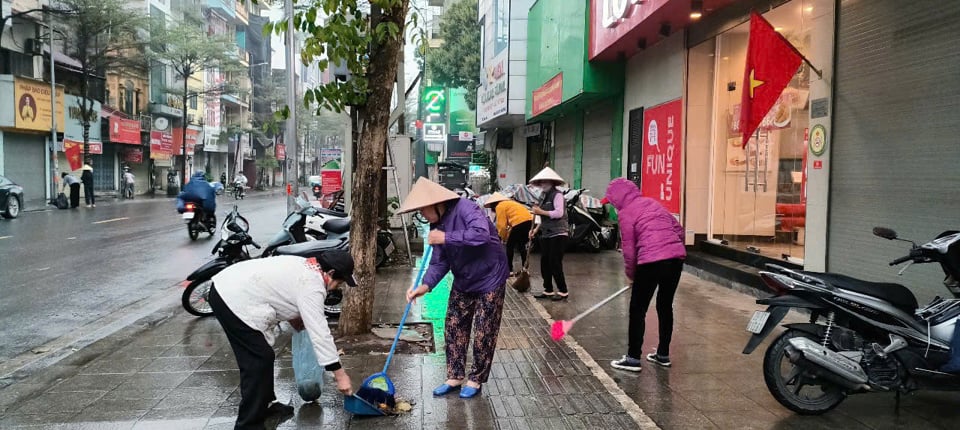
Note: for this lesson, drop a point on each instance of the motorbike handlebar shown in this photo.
(915, 255)
(255, 244)
(901, 260)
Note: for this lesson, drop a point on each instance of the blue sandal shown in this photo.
(445, 389)
(468, 392)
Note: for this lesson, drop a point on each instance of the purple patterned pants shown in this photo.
(481, 312)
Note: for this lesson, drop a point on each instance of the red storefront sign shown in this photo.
(193, 136)
(331, 181)
(548, 95)
(615, 24)
(661, 177)
(95, 148)
(161, 145)
(124, 130)
(133, 155)
(281, 152)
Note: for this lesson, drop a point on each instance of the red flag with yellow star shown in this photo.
(771, 64)
(72, 150)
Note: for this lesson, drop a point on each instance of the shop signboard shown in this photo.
(492, 96)
(95, 148)
(661, 177)
(31, 101)
(133, 155)
(281, 152)
(161, 139)
(612, 20)
(330, 154)
(434, 102)
(550, 94)
(73, 128)
(459, 151)
(124, 130)
(193, 138)
(434, 132)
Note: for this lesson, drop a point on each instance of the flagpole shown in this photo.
(815, 70)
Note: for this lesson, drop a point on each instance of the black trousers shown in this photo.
(88, 194)
(518, 240)
(551, 263)
(255, 359)
(74, 195)
(647, 278)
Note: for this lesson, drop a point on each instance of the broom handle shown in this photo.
(427, 253)
(597, 306)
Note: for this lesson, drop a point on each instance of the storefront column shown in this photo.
(616, 141)
(577, 149)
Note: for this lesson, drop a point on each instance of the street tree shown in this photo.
(366, 36)
(189, 51)
(100, 35)
(456, 64)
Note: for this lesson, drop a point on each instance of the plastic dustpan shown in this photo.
(357, 406)
(381, 381)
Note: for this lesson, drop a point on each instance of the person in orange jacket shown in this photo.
(514, 221)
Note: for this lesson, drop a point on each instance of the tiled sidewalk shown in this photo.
(180, 373)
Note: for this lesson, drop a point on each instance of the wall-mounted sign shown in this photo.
(662, 154)
(818, 140)
(434, 100)
(548, 95)
(435, 132)
(611, 20)
(31, 101)
(466, 136)
(95, 148)
(124, 130)
(531, 130)
(133, 155)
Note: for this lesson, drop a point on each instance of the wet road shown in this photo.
(65, 273)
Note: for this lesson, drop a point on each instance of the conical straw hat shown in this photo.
(495, 198)
(548, 174)
(426, 193)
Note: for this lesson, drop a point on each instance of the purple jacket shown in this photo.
(473, 251)
(648, 232)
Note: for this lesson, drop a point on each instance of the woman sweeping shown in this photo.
(513, 226)
(465, 242)
(552, 219)
(653, 254)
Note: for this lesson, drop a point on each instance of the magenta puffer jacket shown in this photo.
(648, 232)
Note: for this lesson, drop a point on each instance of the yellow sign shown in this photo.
(32, 103)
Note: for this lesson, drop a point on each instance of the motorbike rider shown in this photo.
(240, 181)
(199, 191)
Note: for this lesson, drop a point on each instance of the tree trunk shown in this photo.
(375, 116)
(183, 132)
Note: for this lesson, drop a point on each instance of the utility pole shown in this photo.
(290, 137)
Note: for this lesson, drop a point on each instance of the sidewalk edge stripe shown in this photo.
(628, 404)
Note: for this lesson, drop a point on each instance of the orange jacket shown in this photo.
(510, 214)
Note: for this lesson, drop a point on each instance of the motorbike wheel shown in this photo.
(381, 256)
(792, 386)
(195, 297)
(592, 241)
(193, 230)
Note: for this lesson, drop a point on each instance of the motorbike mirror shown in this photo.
(885, 233)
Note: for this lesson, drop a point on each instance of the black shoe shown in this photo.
(280, 409)
(559, 297)
(544, 295)
(662, 360)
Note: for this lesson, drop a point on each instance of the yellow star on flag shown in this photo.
(754, 83)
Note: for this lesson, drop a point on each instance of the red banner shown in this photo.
(661, 177)
(771, 64)
(193, 136)
(548, 95)
(72, 150)
(331, 181)
(281, 152)
(95, 148)
(124, 130)
(161, 145)
(133, 155)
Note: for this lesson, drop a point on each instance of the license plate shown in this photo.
(389, 249)
(188, 215)
(757, 322)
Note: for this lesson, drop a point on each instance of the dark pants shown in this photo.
(255, 359)
(665, 275)
(551, 263)
(88, 193)
(74, 195)
(519, 237)
(480, 312)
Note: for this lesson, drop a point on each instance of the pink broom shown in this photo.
(560, 328)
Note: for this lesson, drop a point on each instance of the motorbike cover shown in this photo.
(312, 248)
(209, 269)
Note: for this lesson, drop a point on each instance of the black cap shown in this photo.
(342, 264)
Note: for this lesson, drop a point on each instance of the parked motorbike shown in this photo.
(230, 249)
(317, 191)
(315, 229)
(584, 229)
(238, 192)
(862, 336)
(197, 220)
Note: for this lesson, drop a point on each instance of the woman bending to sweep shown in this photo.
(552, 220)
(653, 254)
(465, 242)
(513, 226)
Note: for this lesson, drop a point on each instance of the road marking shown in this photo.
(111, 220)
(72, 238)
(42, 269)
(5, 237)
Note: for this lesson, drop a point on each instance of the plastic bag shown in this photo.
(308, 373)
(62, 201)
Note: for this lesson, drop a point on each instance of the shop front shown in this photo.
(766, 197)
(124, 135)
(576, 103)
(101, 154)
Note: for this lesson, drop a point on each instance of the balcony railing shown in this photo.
(242, 11)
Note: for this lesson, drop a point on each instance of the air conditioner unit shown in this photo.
(33, 47)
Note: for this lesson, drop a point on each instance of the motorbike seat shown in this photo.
(337, 225)
(899, 296)
(313, 248)
(328, 212)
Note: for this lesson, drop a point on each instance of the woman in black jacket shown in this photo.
(87, 178)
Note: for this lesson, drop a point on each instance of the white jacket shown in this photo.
(265, 291)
